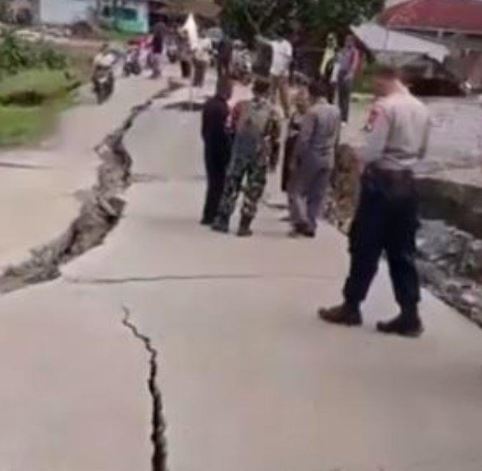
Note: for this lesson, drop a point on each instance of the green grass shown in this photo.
(29, 104)
(119, 36)
(41, 85)
(21, 125)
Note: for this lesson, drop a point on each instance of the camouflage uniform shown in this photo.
(249, 161)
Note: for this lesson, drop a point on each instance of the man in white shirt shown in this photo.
(282, 56)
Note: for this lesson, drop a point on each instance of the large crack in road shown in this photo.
(159, 456)
(100, 211)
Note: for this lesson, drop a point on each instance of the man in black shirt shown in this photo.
(217, 147)
(157, 49)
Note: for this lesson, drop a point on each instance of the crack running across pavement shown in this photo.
(159, 456)
(198, 277)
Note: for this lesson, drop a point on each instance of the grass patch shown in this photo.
(35, 87)
(20, 125)
(30, 102)
(115, 35)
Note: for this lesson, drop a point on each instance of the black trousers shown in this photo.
(216, 162)
(386, 222)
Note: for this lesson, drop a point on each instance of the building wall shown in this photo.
(65, 11)
(133, 16)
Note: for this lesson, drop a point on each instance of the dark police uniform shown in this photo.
(386, 220)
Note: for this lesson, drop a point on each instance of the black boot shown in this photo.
(221, 224)
(407, 324)
(245, 227)
(346, 314)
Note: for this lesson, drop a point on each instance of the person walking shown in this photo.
(217, 148)
(345, 70)
(386, 220)
(201, 58)
(256, 145)
(314, 156)
(157, 48)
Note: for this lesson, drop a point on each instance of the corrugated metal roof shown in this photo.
(452, 15)
(380, 39)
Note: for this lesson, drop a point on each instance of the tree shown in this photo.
(246, 18)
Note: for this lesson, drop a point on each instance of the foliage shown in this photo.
(5, 10)
(17, 54)
(246, 18)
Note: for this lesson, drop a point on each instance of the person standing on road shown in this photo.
(224, 58)
(217, 148)
(345, 70)
(301, 102)
(327, 66)
(281, 59)
(256, 146)
(157, 50)
(314, 157)
(201, 58)
(386, 219)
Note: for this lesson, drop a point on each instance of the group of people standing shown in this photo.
(244, 144)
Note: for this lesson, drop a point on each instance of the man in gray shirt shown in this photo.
(386, 220)
(314, 157)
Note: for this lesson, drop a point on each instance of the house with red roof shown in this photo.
(443, 19)
(455, 24)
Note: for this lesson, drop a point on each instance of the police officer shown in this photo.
(386, 220)
(256, 146)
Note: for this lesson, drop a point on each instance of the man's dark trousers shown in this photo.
(386, 222)
(216, 159)
(217, 153)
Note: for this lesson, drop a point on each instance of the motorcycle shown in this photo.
(132, 64)
(103, 83)
(242, 64)
(172, 51)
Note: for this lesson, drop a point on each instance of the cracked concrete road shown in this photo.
(249, 378)
(40, 187)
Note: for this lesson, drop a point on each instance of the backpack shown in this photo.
(251, 127)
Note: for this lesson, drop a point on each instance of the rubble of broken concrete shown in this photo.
(450, 238)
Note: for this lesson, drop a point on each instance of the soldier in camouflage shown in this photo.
(256, 147)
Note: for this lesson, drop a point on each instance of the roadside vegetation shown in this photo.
(36, 81)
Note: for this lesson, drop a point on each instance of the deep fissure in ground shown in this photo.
(159, 455)
(100, 211)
